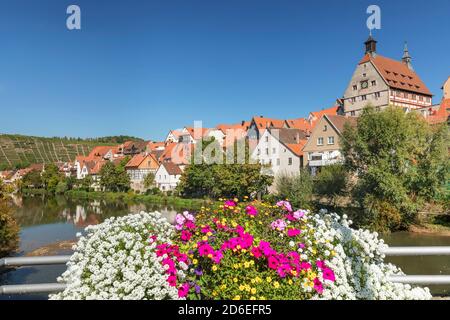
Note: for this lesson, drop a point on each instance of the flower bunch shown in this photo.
(259, 251)
(123, 258)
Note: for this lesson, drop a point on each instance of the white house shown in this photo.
(281, 149)
(167, 176)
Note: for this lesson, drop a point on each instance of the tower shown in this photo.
(371, 46)
(406, 57)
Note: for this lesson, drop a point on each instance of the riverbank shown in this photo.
(431, 229)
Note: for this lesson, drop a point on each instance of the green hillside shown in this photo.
(17, 151)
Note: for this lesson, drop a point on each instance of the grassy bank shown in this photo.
(132, 197)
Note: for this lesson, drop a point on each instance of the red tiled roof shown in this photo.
(441, 114)
(300, 123)
(298, 147)
(172, 168)
(397, 74)
(262, 123)
(137, 160)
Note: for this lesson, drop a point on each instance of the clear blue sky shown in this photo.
(143, 67)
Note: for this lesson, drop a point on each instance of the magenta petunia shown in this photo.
(285, 205)
(186, 235)
(272, 262)
(229, 204)
(172, 280)
(256, 252)
(183, 290)
(293, 232)
(251, 210)
(318, 286)
(328, 274)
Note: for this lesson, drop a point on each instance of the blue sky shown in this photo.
(143, 67)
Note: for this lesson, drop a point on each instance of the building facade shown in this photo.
(382, 81)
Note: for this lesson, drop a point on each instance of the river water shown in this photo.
(46, 221)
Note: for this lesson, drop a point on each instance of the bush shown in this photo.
(331, 182)
(297, 188)
(9, 230)
(115, 260)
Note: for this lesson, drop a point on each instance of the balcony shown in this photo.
(323, 162)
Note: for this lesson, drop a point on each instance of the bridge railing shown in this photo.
(56, 287)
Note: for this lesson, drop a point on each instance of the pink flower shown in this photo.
(299, 214)
(229, 204)
(183, 290)
(205, 249)
(278, 224)
(293, 232)
(318, 285)
(320, 264)
(251, 210)
(256, 252)
(190, 225)
(285, 205)
(305, 265)
(273, 262)
(186, 235)
(217, 256)
(328, 274)
(206, 229)
(172, 280)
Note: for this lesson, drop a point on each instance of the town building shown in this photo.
(280, 149)
(323, 146)
(139, 167)
(382, 81)
(167, 176)
(258, 126)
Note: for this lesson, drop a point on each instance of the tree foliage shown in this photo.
(331, 182)
(224, 179)
(400, 162)
(9, 230)
(114, 177)
(298, 188)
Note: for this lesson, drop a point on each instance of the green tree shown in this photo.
(149, 180)
(51, 177)
(298, 188)
(400, 162)
(214, 180)
(32, 179)
(331, 182)
(9, 229)
(114, 178)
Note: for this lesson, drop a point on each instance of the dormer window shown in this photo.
(374, 83)
(325, 127)
(355, 87)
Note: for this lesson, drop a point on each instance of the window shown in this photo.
(405, 95)
(320, 141)
(428, 99)
(353, 100)
(325, 127)
(377, 108)
(413, 96)
(377, 95)
(352, 113)
(330, 140)
(259, 152)
(355, 87)
(290, 161)
(420, 98)
(397, 93)
(363, 97)
(278, 161)
(267, 151)
(374, 83)
(267, 138)
(364, 75)
(274, 150)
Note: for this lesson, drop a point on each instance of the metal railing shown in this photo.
(56, 287)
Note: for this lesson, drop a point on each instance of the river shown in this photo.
(45, 222)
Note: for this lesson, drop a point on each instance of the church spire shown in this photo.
(406, 57)
(371, 45)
